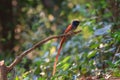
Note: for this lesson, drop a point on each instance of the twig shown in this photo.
(19, 58)
(116, 53)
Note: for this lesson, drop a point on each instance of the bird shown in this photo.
(70, 28)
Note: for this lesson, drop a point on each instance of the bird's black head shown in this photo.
(75, 23)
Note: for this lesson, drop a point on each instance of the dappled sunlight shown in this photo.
(91, 54)
(87, 33)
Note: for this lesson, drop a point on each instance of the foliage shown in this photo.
(94, 52)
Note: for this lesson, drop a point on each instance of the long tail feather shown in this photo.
(56, 59)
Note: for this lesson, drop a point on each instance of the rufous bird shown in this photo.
(70, 28)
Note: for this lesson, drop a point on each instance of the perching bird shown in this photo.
(70, 28)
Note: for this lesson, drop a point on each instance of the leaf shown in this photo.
(66, 59)
(117, 63)
(91, 54)
(93, 46)
(65, 66)
(16, 78)
(102, 31)
(84, 70)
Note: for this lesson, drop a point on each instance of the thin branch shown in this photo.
(116, 53)
(19, 58)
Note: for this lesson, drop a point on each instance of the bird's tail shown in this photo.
(56, 59)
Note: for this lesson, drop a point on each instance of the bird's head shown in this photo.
(75, 22)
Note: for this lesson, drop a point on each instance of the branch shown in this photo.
(19, 58)
(3, 71)
(118, 48)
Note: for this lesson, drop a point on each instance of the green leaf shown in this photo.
(65, 59)
(83, 70)
(65, 66)
(41, 78)
(16, 78)
(93, 46)
(91, 54)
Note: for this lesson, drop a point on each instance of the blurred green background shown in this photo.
(93, 52)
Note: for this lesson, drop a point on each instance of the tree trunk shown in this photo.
(6, 26)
